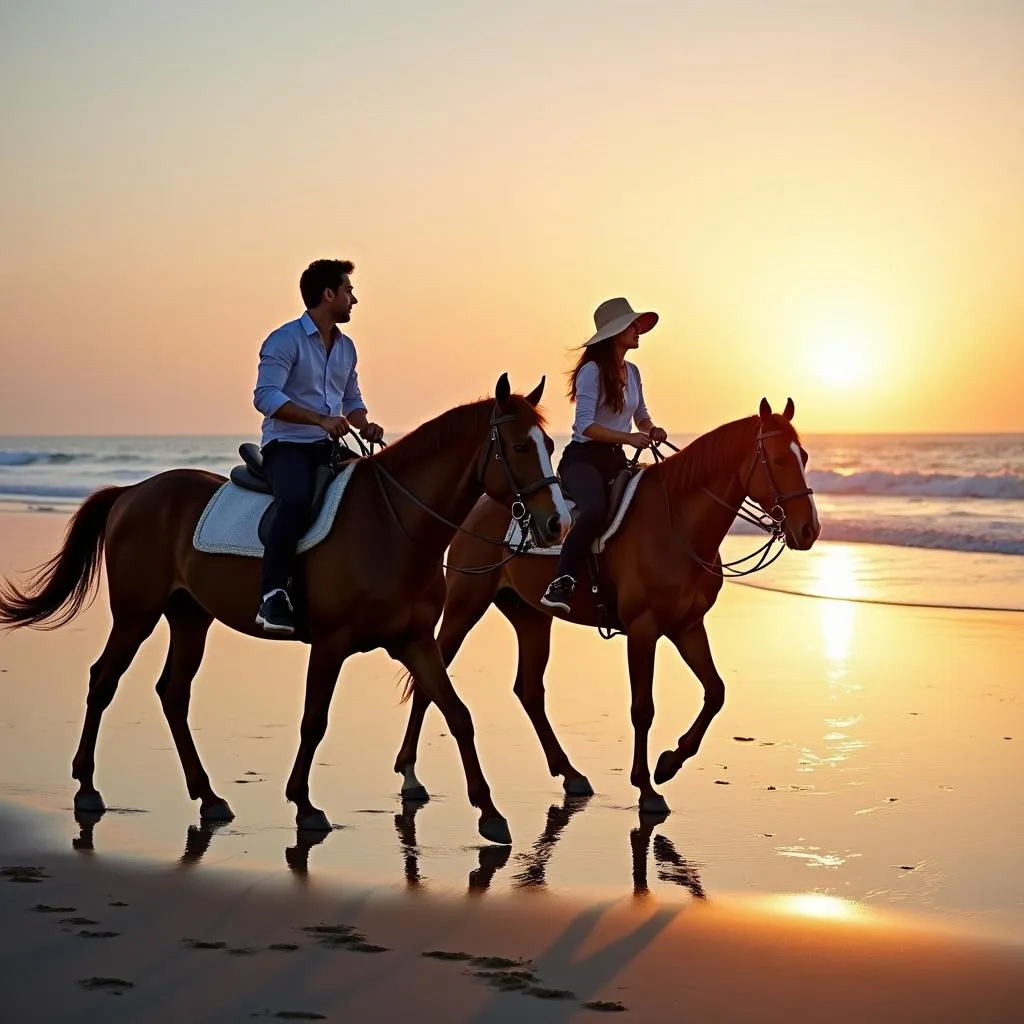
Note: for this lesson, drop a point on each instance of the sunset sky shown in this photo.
(822, 199)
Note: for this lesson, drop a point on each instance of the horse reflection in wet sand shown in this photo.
(661, 570)
(375, 581)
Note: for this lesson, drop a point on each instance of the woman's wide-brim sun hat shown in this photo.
(613, 316)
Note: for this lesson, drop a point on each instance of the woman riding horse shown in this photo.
(662, 572)
(609, 398)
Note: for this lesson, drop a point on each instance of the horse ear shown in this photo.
(503, 390)
(534, 396)
(787, 413)
(765, 410)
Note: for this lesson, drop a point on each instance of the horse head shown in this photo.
(776, 478)
(515, 467)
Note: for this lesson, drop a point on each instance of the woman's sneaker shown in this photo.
(276, 614)
(559, 593)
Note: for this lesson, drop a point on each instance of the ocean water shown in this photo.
(929, 519)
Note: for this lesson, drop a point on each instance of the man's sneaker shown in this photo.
(276, 614)
(559, 593)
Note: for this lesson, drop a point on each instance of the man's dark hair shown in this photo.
(321, 274)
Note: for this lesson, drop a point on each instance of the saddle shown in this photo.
(601, 588)
(250, 477)
(616, 490)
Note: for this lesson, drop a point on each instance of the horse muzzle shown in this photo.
(802, 537)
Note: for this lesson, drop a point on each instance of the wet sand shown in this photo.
(89, 939)
(865, 767)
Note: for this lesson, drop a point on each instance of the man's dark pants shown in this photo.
(290, 467)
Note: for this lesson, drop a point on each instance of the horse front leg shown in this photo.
(325, 661)
(422, 658)
(640, 646)
(693, 645)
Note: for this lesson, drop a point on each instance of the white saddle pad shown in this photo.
(230, 522)
(514, 535)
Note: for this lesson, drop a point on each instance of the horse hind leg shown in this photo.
(127, 635)
(423, 659)
(533, 631)
(190, 625)
(467, 600)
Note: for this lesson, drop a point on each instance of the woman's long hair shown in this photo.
(612, 391)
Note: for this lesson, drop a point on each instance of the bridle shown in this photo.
(495, 444)
(773, 522)
(520, 512)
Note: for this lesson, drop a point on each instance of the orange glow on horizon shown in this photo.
(827, 206)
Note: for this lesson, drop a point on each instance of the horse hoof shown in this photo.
(496, 831)
(92, 803)
(580, 786)
(666, 768)
(415, 795)
(216, 810)
(316, 822)
(655, 804)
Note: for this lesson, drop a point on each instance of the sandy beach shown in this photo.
(845, 847)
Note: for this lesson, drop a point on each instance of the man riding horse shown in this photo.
(308, 391)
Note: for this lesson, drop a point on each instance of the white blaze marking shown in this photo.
(803, 476)
(564, 519)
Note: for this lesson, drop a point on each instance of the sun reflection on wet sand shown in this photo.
(812, 904)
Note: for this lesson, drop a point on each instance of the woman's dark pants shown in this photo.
(586, 470)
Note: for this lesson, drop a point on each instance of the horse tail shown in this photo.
(60, 588)
(408, 681)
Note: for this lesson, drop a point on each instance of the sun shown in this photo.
(840, 356)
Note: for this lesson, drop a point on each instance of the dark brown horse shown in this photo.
(375, 581)
(663, 569)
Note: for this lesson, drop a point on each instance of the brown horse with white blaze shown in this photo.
(374, 581)
(663, 570)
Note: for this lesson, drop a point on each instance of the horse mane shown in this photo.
(706, 455)
(448, 430)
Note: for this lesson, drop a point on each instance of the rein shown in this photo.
(773, 523)
(519, 510)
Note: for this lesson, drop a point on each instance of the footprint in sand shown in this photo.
(115, 986)
(342, 936)
(45, 908)
(290, 1015)
(24, 873)
(504, 974)
(204, 944)
(604, 1006)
